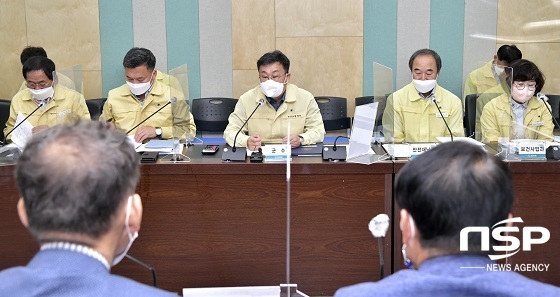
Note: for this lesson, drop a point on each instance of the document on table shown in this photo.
(23, 133)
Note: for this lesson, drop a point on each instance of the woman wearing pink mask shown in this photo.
(519, 115)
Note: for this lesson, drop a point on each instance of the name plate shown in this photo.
(418, 148)
(532, 150)
(276, 152)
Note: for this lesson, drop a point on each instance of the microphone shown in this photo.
(14, 128)
(434, 101)
(334, 153)
(170, 101)
(145, 265)
(378, 227)
(544, 99)
(239, 153)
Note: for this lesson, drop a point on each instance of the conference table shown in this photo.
(208, 223)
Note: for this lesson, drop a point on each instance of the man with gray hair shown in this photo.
(82, 210)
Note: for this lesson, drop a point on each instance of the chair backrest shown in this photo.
(380, 108)
(95, 107)
(470, 114)
(334, 112)
(4, 115)
(211, 114)
(554, 101)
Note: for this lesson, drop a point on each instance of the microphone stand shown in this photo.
(544, 100)
(145, 265)
(434, 100)
(172, 100)
(6, 136)
(239, 153)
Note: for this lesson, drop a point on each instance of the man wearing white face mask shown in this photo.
(492, 73)
(519, 115)
(83, 212)
(60, 105)
(285, 104)
(145, 91)
(411, 114)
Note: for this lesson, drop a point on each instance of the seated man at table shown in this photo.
(58, 104)
(81, 209)
(492, 73)
(519, 114)
(142, 95)
(446, 189)
(283, 104)
(411, 113)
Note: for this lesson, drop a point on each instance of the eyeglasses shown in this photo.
(521, 85)
(41, 85)
(276, 78)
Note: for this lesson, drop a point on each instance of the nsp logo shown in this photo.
(500, 234)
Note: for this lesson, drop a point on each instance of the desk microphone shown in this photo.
(378, 227)
(552, 152)
(239, 153)
(145, 265)
(170, 101)
(434, 101)
(334, 153)
(544, 99)
(13, 129)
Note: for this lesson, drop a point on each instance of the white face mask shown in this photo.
(521, 96)
(424, 86)
(498, 69)
(131, 237)
(141, 88)
(42, 94)
(271, 88)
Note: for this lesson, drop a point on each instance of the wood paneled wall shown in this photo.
(68, 30)
(322, 38)
(535, 29)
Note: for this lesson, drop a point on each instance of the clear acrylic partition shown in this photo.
(499, 89)
(70, 77)
(182, 123)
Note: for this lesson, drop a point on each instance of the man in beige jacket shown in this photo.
(283, 105)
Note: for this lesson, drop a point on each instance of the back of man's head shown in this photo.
(453, 186)
(73, 178)
(32, 51)
(509, 53)
(138, 56)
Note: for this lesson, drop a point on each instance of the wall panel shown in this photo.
(341, 76)
(253, 34)
(319, 18)
(13, 39)
(69, 32)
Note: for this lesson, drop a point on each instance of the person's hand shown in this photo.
(254, 142)
(38, 129)
(144, 133)
(295, 141)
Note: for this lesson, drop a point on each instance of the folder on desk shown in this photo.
(308, 150)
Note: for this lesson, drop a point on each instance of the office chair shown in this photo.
(470, 114)
(334, 112)
(4, 115)
(95, 107)
(211, 114)
(382, 100)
